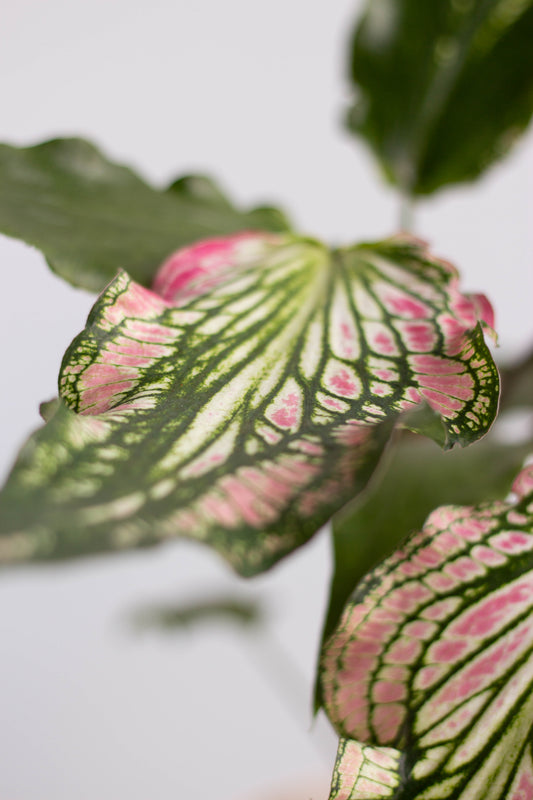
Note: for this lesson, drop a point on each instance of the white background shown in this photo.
(252, 93)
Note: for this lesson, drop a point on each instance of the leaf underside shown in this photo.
(443, 89)
(429, 675)
(91, 217)
(250, 412)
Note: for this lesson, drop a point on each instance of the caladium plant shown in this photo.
(238, 384)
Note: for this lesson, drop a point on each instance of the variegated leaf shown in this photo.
(246, 398)
(413, 480)
(432, 662)
(418, 477)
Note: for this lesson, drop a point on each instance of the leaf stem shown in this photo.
(282, 673)
(407, 207)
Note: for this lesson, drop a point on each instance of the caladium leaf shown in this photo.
(246, 398)
(91, 217)
(432, 662)
(417, 479)
(442, 89)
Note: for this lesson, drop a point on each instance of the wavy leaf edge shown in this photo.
(273, 371)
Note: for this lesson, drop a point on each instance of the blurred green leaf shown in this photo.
(517, 384)
(91, 217)
(428, 677)
(443, 88)
(223, 608)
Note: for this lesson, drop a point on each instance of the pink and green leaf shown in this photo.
(431, 664)
(246, 398)
(415, 478)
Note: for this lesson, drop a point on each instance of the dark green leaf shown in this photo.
(91, 217)
(443, 88)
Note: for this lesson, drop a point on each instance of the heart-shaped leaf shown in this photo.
(443, 88)
(246, 398)
(431, 664)
(91, 217)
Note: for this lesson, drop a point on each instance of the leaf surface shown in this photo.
(91, 217)
(442, 89)
(246, 398)
(432, 662)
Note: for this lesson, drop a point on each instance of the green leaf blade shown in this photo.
(444, 88)
(91, 217)
(246, 398)
(433, 656)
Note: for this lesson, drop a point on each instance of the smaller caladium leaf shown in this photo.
(432, 661)
(417, 478)
(91, 217)
(246, 398)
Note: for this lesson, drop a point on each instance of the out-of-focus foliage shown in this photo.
(443, 88)
(91, 217)
(517, 384)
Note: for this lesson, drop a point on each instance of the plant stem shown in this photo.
(407, 207)
(280, 670)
